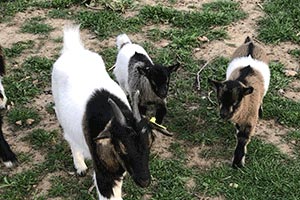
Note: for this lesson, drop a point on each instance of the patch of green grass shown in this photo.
(10, 8)
(18, 48)
(40, 138)
(59, 14)
(24, 83)
(109, 56)
(71, 187)
(281, 22)
(168, 182)
(295, 53)
(19, 186)
(107, 23)
(268, 175)
(23, 114)
(116, 6)
(36, 26)
(188, 26)
(56, 3)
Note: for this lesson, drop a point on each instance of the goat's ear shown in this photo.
(105, 149)
(173, 68)
(105, 134)
(143, 70)
(217, 84)
(117, 112)
(247, 90)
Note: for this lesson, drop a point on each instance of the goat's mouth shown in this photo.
(142, 182)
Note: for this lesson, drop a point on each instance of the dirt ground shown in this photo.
(269, 131)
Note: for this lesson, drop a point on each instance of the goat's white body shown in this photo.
(259, 66)
(126, 51)
(75, 77)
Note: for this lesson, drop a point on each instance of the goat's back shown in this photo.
(121, 70)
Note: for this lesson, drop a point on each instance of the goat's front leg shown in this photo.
(243, 138)
(8, 157)
(161, 111)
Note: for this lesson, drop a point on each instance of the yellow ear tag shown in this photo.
(153, 120)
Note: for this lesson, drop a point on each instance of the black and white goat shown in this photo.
(97, 119)
(134, 70)
(6, 154)
(241, 95)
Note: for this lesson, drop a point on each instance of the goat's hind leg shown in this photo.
(243, 138)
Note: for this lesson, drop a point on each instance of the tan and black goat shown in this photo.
(240, 96)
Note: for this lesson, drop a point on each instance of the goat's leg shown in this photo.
(8, 157)
(78, 160)
(243, 138)
(161, 111)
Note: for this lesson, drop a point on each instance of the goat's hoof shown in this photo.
(237, 165)
(81, 173)
(11, 163)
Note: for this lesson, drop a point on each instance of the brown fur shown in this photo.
(247, 113)
(258, 52)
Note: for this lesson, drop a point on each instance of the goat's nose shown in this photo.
(144, 183)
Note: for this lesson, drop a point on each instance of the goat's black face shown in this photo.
(132, 144)
(230, 94)
(159, 77)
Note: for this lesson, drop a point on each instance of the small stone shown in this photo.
(290, 73)
(203, 39)
(19, 123)
(29, 121)
(234, 185)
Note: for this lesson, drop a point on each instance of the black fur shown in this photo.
(157, 75)
(2, 63)
(6, 153)
(248, 39)
(98, 114)
(245, 72)
(243, 136)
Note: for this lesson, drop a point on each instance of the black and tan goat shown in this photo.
(240, 96)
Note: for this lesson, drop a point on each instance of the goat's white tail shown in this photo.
(121, 40)
(72, 41)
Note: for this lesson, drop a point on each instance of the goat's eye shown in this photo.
(122, 148)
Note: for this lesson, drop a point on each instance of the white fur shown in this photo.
(76, 74)
(8, 164)
(260, 66)
(117, 190)
(4, 101)
(124, 55)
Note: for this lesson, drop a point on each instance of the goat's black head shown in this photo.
(230, 94)
(127, 139)
(158, 75)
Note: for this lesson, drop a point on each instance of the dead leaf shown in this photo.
(234, 185)
(19, 123)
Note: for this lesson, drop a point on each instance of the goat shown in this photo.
(241, 95)
(6, 154)
(97, 119)
(134, 70)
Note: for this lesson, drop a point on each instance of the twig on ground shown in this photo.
(208, 97)
(93, 8)
(198, 83)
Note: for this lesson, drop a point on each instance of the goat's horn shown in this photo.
(118, 113)
(136, 112)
